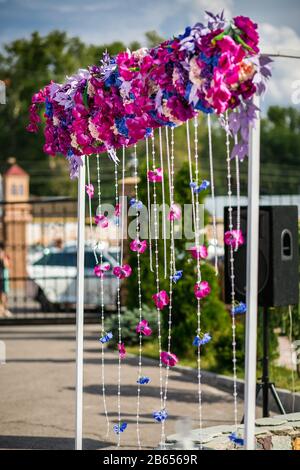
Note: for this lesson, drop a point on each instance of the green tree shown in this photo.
(26, 65)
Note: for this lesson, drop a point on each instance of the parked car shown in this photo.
(54, 276)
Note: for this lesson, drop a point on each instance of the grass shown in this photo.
(281, 376)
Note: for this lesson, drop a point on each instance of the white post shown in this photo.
(80, 303)
(252, 275)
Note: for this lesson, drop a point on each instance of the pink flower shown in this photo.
(101, 221)
(199, 252)
(234, 238)
(202, 289)
(100, 269)
(169, 359)
(138, 245)
(89, 188)
(161, 299)
(117, 210)
(122, 271)
(155, 176)
(249, 32)
(122, 350)
(219, 95)
(175, 212)
(143, 327)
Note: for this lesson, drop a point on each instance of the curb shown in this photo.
(290, 401)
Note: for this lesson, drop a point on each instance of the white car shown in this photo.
(54, 275)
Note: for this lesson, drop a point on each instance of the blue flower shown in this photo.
(160, 416)
(121, 126)
(239, 308)
(201, 340)
(143, 380)
(188, 91)
(120, 428)
(177, 276)
(201, 107)
(186, 33)
(135, 203)
(197, 189)
(49, 108)
(237, 440)
(113, 80)
(148, 132)
(106, 338)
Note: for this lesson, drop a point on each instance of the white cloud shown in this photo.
(285, 71)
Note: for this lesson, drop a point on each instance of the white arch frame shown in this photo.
(252, 271)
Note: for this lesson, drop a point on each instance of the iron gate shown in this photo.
(40, 242)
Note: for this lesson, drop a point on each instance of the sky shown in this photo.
(104, 21)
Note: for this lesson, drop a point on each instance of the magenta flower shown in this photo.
(234, 238)
(90, 191)
(202, 289)
(198, 252)
(138, 245)
(100, 269)
(161, 299)
(143, 327)
(101, 221)
(117, 210)
(169, 359)
(248, 31)
(122, 350)
(122, 271)
(219, 94)
(175, 212)
(155, 176)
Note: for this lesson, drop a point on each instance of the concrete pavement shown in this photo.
(37, 393)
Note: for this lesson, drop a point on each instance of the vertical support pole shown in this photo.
(252, 281)
(265, 363)
(80, 303)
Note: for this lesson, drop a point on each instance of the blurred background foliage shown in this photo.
(26, 65)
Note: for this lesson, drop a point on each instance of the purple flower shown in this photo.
(75, 162)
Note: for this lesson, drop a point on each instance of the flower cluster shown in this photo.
(210, 68)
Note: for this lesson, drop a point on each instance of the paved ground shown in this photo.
(37, 393)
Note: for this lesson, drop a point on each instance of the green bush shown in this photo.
(129, 320)
(215, 318)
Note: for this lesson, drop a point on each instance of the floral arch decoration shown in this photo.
(212, 68)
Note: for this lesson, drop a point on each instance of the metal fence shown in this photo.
(40, 243)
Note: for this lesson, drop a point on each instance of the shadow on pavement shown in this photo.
(47, 443)
(184, 395)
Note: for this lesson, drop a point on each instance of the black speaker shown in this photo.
(278, 275)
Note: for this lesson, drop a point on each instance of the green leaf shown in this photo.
(85, 97)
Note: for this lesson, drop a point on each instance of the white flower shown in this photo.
(194, 73)
(74, 142)
(93, 130)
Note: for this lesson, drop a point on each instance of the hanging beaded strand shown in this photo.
(118, 310)
(212, 185)
(232, 276)
(123, 204)
(139, 300)
(172, 177)
(238, 192)
(102, 306)
(149, 207)
(163, 201)
(197, 242)
(90, 212)
(172, 272)
(157, 269)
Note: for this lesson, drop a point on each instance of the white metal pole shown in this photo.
(252, 283)
(80, 304)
